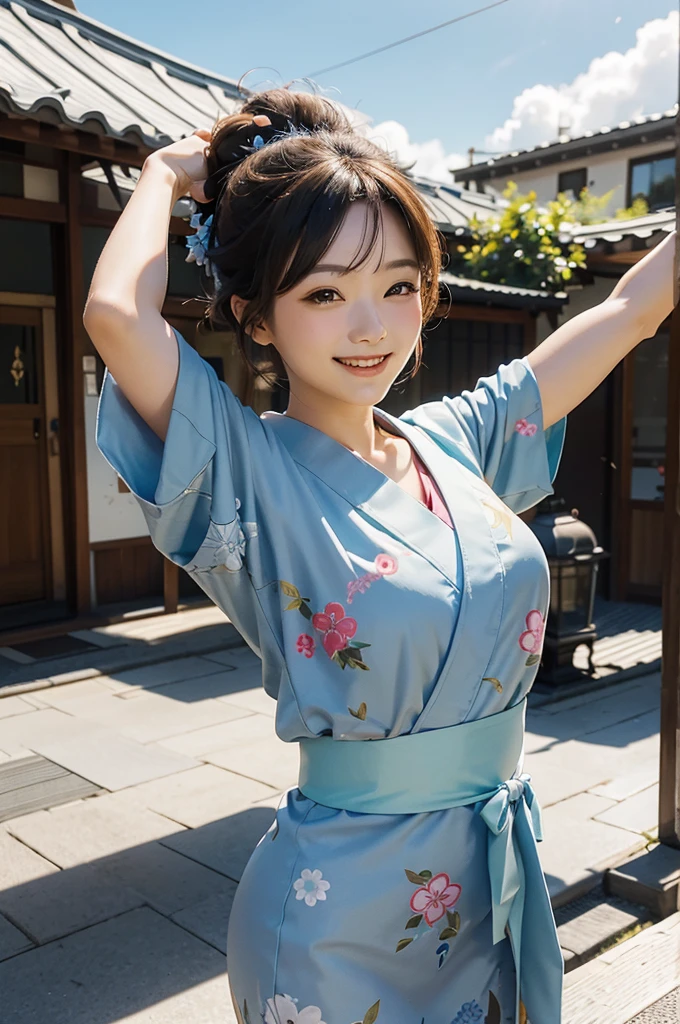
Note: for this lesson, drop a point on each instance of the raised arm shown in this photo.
(573, 361)
(123, 310)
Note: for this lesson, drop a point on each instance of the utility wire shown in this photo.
(416, 35)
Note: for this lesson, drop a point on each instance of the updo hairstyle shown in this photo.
(278, 209)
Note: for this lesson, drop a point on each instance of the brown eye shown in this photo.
(323, 297)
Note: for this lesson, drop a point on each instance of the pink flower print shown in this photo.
(361, 585)
(385, 565)
(532, 638)
(306, 645)
(336, 629)
(433, 899)
(525, 428)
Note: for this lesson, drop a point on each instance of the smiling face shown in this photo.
(332, 317)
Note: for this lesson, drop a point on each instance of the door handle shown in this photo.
(36, 427)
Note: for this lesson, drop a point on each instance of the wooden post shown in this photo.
(170, 586)
(75, 345)
(669, 768)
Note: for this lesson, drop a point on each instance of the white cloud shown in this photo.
(429, 159)
(616, 87)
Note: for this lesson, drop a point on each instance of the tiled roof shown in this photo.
(61, 66)
(608, 137)
(501, 294)
(451, 206)
(616, 230)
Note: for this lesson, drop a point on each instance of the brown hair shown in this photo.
(279, 209)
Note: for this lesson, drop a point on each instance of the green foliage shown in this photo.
(522, 247)
(527, 246)
(638, 208)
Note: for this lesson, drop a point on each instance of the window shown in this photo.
(653, 179)
(573, 181)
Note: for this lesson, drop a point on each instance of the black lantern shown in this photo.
(573, 558)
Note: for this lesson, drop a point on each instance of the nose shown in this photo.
(367, 326)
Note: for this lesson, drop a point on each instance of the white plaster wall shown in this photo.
(605, 171)
(112, 515)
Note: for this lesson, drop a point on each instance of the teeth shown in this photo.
(362, 362)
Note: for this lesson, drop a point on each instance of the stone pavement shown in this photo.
(114, 905)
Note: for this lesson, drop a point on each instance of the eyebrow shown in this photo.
(337, 268)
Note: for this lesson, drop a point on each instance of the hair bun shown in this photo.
(235, 137)
(234, 146)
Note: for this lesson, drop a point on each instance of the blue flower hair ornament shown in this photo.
(232, 151)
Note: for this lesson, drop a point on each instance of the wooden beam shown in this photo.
(27, 299)
(76, 348)
(32, 209)
(669, 766)
(488, 313)
(63, 137)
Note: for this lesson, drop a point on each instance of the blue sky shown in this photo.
(500, 80)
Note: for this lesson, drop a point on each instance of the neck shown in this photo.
(353, 426)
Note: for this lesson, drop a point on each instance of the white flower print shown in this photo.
(310, 887)
(224, 546)
(282, 1010)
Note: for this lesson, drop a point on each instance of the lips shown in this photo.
(366, 370)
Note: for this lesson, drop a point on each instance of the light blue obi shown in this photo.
(482, 758)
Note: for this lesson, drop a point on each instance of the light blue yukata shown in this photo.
(373, 619)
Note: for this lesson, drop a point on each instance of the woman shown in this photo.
(374, 563)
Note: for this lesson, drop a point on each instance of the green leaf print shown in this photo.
(357, 644)
(293, 605)
(421, 879)
(414, 921)
(246, 1015)
(447, 933)
(532, 659)
(402, 944)
(453, 917)
(360, 712)
(305, 609)
(289, 590)
(371, 1014)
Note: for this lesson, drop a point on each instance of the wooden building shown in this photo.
(81, 106)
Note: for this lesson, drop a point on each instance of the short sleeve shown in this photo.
(195, 489)
(498, 430)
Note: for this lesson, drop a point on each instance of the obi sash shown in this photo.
(476, 763)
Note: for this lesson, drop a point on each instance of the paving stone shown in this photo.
(237, 656)
(632, 779)
(651, 878)
(168, 881)
(11, 706)
(227, 844)
(63, 902)
(90, 750)
(67, 696)
(249, 729)
(197, 797)
(577, 849)
(268, 760)
(12, 941)
(639, 813)
(149, 716)
(608, 710)
(20, 864)
(89, 830)
(139, 968)
(200, 742)
(149, 676)
(209, 920)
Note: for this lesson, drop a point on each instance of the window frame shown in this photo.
(575, 170)
(649, 159)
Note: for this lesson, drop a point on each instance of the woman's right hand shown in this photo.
(187, 161)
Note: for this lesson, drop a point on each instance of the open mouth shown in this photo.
(373, 363)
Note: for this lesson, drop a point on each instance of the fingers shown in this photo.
(197, 193)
